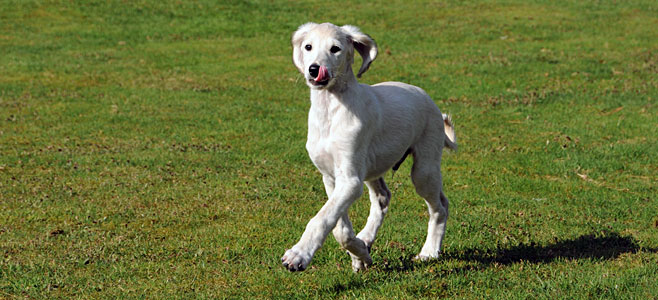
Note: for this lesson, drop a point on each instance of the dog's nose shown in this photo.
(313, 70)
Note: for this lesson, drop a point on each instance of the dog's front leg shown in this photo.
(344, 234)
(356, 248)
(347, 189)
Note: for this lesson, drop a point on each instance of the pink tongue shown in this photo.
(322, 74)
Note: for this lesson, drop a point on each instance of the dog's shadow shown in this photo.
(601, 247)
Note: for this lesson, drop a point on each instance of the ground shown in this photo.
(155, 149)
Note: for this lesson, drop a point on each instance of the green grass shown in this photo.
(155, 149)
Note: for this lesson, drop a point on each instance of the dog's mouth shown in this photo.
(319, 83)
(323, 77)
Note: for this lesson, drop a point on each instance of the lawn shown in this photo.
(155, 149)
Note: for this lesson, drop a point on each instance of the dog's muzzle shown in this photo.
(319, 74)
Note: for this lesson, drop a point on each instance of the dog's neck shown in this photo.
(328, 102)
(342, 85)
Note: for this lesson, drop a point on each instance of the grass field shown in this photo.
(155, 149)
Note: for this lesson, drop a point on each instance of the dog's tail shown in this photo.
(451, 139)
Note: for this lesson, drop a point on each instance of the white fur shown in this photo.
(356, 133)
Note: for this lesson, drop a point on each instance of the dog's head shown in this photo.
(324, 53)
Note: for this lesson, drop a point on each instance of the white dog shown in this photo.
(356, 133)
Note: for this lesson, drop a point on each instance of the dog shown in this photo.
(356, 133)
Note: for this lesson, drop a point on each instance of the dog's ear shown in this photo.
(296, 40)
(365, 45)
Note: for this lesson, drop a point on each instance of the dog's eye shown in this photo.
(308, 47)
(334, 49)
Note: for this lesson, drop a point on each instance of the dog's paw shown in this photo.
(361, 264)
(424, 257)
(295, 260)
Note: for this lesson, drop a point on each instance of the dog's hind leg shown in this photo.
(380, 196)
(426, 176)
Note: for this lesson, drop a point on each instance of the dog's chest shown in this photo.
(320, 152)
(318, 142)
(332, 129)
